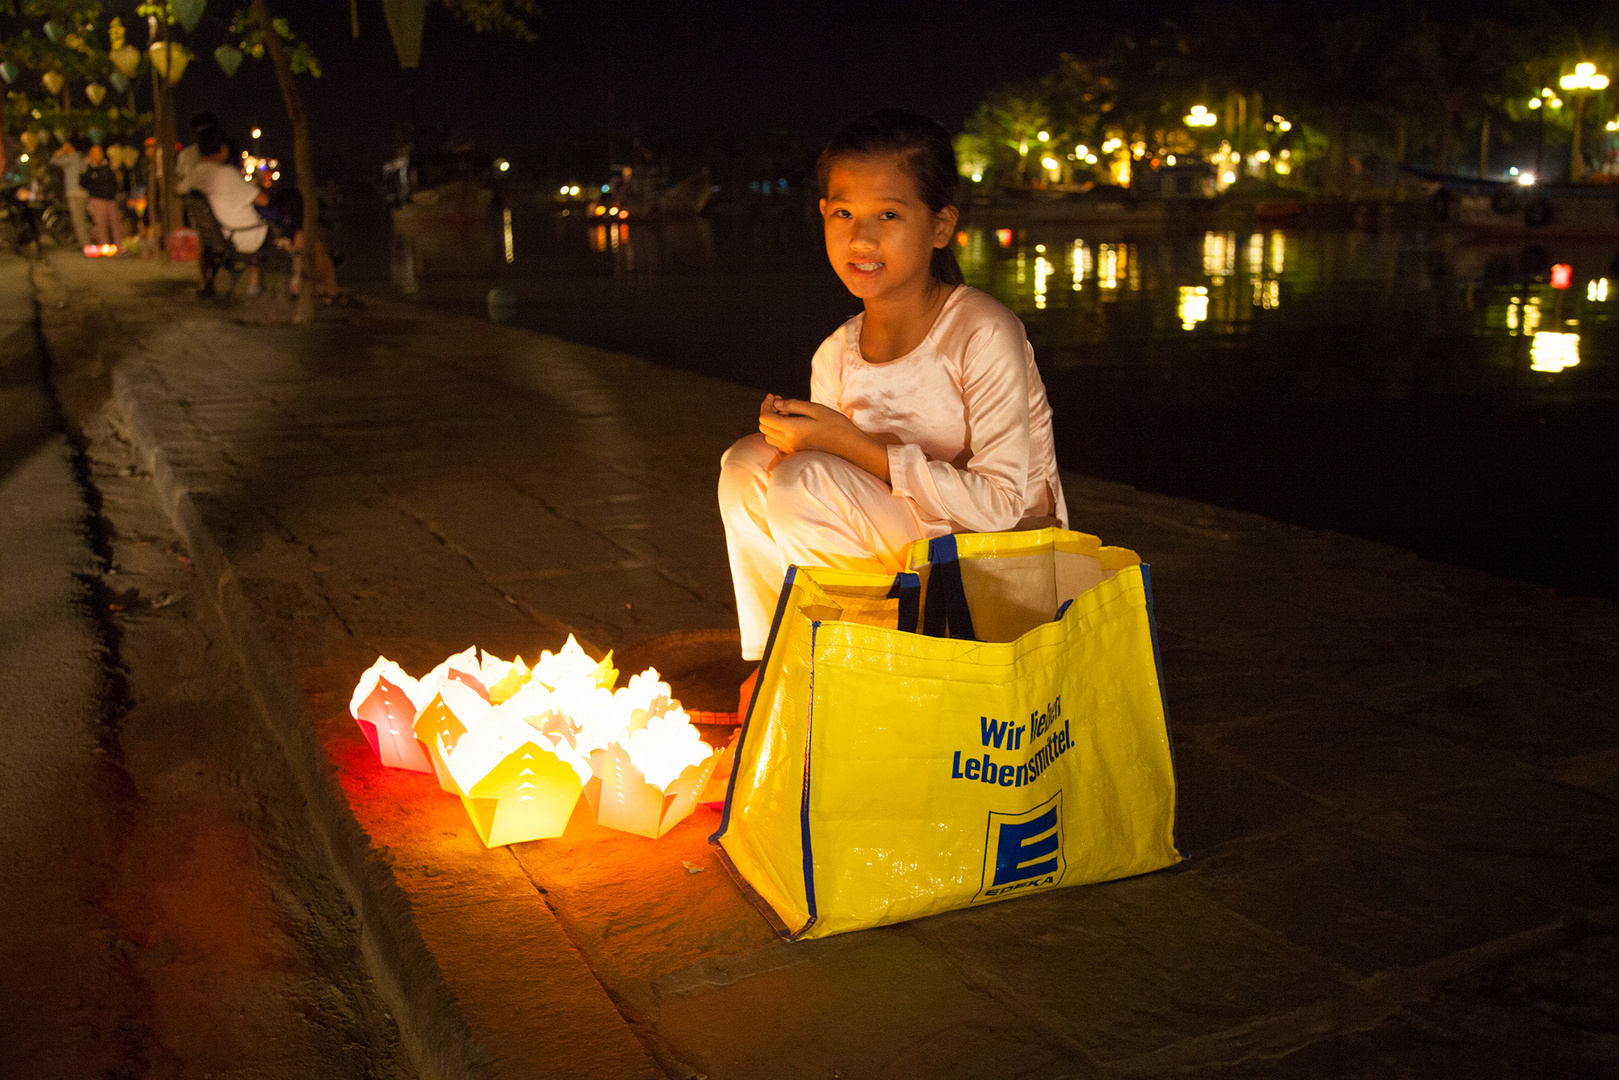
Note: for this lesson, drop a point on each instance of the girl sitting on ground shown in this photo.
(927, 415)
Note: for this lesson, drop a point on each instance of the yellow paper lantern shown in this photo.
(126, 58)
(53, 81)
(95, 92)
(169, 59)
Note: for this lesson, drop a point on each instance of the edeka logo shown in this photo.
(1023, 851)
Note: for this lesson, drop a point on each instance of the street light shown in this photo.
(1584, 80)
(1200, 117)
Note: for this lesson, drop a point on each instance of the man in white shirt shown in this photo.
(232, 197)
(69, 157)
(187, 158)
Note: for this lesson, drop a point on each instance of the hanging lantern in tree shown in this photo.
(95, 92)
(405, 19)
(29, 141)
(9, 72)
(189, 12)
(126, 58)
(120, 81)
(54, 30)
(53, 81)
(229, 58)
(169, 60)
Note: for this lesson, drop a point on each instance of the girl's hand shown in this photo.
(790, 426)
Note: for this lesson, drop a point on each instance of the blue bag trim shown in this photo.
(908, 591)
(1163, 700)
(803, 806)
(770, 645)
(1068, 602)
(946, 614)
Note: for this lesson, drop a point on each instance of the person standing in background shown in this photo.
(69, 158)
(101, 185)
(187, 158)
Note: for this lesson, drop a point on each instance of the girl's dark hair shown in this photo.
(923, 147)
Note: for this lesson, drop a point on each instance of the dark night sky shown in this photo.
(668, 68)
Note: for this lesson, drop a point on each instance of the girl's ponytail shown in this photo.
(923, 147)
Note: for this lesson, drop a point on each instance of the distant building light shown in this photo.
(1044, 136)
(1553, 352)
(257, 133)
(503, 165)
(1051, 163)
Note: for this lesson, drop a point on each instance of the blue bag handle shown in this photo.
(946, 614)
(908, 591)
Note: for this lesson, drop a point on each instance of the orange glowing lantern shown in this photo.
(384, 705)
(1562, 276)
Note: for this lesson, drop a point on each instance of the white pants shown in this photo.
(804, 509)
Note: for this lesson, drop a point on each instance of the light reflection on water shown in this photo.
(1412, 386)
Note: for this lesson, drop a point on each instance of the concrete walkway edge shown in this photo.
(430, 1024)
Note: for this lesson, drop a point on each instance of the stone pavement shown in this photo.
(1398, 779)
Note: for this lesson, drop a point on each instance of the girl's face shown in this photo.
(880, 235)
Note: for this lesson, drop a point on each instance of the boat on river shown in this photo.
(1510, 208)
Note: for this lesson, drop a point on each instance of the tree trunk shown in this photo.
(1576, 159)
(166, 128)
(1337, 150)
(303, 159)
(1484, 149)
(1402, 140)
(1447, 141)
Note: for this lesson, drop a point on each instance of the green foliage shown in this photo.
(300, 57)
(500, 16)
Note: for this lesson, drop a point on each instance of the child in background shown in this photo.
(927, 415)
(101, 185)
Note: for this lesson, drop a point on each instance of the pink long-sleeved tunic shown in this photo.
(964, 415)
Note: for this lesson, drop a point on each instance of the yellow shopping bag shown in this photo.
(987, 725)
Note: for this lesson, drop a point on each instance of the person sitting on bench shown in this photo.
(232, 197)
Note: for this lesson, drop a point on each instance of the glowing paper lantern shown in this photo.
(29, 141)
(127, 59)
(383, 707)
(520, 745)
(120, 81)
(647, 800)
(9, 72)
(53, 81)
(95, 92)
(1562, 276)
(229, 58)
(169, 59)
(528, 793)
(189, 12)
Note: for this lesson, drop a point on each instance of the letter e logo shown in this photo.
(1023, 847)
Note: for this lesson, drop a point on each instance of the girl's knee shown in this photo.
(744, 469)
(749, 452)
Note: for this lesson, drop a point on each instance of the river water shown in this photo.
(1409, 385)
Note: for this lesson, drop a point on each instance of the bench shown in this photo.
(218, 252)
